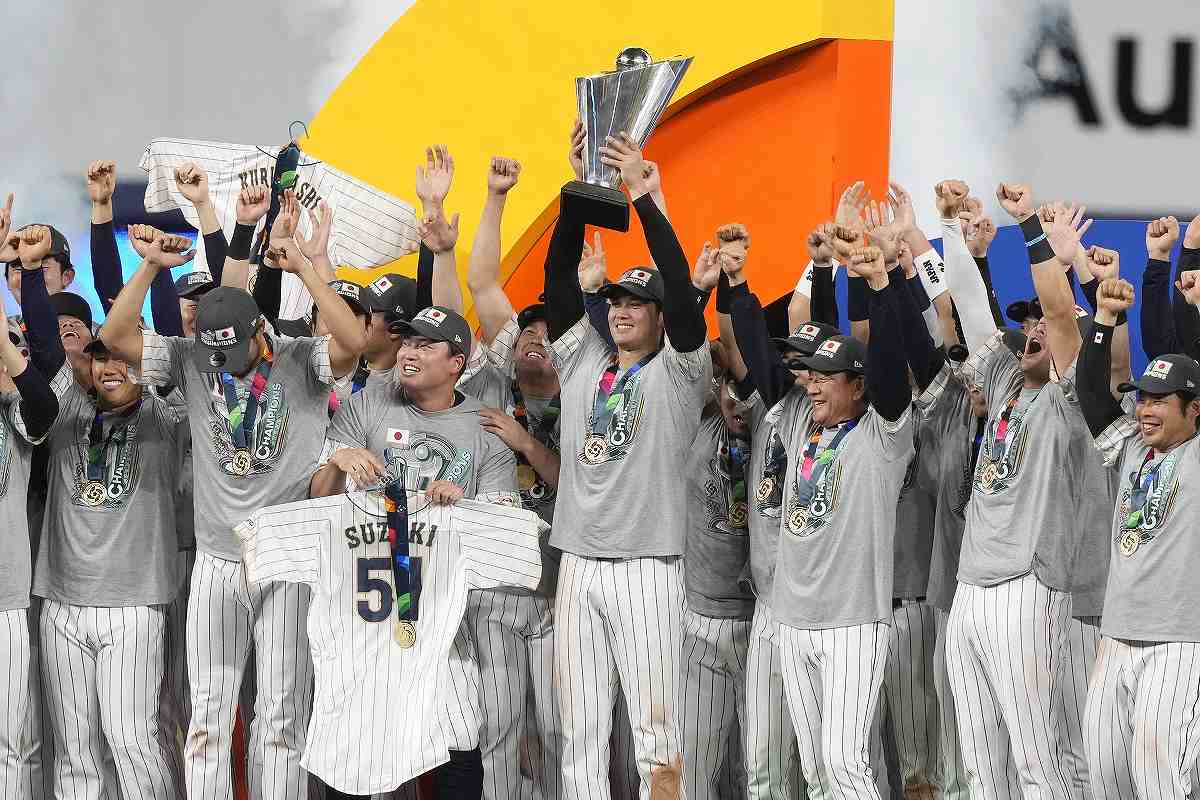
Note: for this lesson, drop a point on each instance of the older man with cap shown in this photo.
(257, 409)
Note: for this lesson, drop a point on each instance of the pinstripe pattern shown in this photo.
(514, 645)
(461, 717)
(768, 738)
(1082, 638)
(624, 620)
(14, 699)
(949, 775)
(1143, 720)
(37, 740)
(712, 699)
(223, 617)
(623, 777)
(908, 690)
(832, 678)
(102, 671)
(1003, 648)
(175, 708)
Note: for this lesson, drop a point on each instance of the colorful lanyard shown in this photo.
(544, 430)
(1141, 482)
(608, 395)
(734, 453)
(813, 467)
(405, 571)
(98, 443)
(356, 385)
(243, 412)
(1009, 419)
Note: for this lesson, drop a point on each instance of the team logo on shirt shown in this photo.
(267, 440)
(1145, 503)
(428, 457)
(724, 501)
(1000, 460)
(804, 520)
(5, 458)
(624, 410)
(118, 459)
(768, 489)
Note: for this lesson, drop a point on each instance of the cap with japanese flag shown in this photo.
(394, 296)
(640, 282)
(1167, 375)
(226, 322)
(807, 338)
(439, 324)
(839, 354)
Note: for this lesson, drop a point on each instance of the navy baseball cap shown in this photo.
(194, 284)
(439, 324)
(531, 314)
(1167, 375)
(69, 304)
(1022, 310)
(60, 248)
(639, 282)
(839, 354)
(226, 322)
(807, 338)
(350, 292)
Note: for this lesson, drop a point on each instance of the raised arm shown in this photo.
(1101, 264)
(106, 260)
(1158, 321)
(252, 205)
(1187, 317)
(122, 332)
(765, 368)
(315, 247)
(963, 277)
(1096, 400)
(41, 322)
(930, 268)
(39, 405)
(979, 241)
(887, 385)
(492, 305)
(814, 297)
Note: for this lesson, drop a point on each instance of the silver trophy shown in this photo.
(631, 98)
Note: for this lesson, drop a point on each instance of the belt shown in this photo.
(901, 602)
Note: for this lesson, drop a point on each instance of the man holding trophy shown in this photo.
(628, 418)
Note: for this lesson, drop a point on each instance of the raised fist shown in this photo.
(985, 232)
(949, 196)
(1189, 285)
(101, 181)
(33, 245)
(844, 240)
(593, 267)
(1103, 263)
(159, 249)
(820, 250)
(867, 262)
(253, 204)
(1016, 199)
(1161, 235)
(1114, 295)
(192, 183)
(433, 181)
(503, 174)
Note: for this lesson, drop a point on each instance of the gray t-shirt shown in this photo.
(913, 544)
(16, 447)
(108, 537)
(619, 495)
(836, 546)
(1089, 573)
(285, 445)
(185, 503)
(718, 541)
(1026, 489)
(770, 435)
(1152, 592)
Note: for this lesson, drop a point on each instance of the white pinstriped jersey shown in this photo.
(370, 228)
(377, 704)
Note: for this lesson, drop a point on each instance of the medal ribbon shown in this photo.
(734, 453)
(608, 395)
(814, 466)
(243, 412)
(1141, 482)
(405, 570)
(543, 431)
(356, 385)
(98, 443)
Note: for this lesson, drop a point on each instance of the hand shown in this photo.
(1016, 199)
(844, 240)
(665, 781)
(867, 262)
(1189, 285)
(1161, 235)
(283, 229)
(319, 224)
(1103, 263)
(883, 232)
(851, 204)
(253, 204)
(495, 421)
(1114, 296)
(902, 208)
(433, 182)
(33, 245)
(949, 196)
(985, 232)
(444, 493)
(192, 183)
(708, 268)
(906, 260)
(652, 176)
(101, 181)
(158, 249)
(439, 235)
(575, 155)
(622, 152)
(819, 248)
(1066, 230)
(502, 175)
(1191, 237)
(8, 244)
(362, 466)
(593, 268)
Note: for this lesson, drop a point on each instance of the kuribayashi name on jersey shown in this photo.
(372, 532)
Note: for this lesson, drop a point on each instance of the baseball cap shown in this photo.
(60, 248)
(1022, 310)
(639, 282)
(1166, 375)
(69, 304)
(440, 324)
(350, 292)
(193, 284)
(807, 338)
(394, 296)
(531, 314)
(226, 320)
(293, 328)
(96, 345)
(1015, 340)
(839, 354)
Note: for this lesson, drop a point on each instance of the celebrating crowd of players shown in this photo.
(934, 557)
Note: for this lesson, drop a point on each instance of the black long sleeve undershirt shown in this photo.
(1186, 316)
(823, 305)
(985, 272)
(887, 382)
(268, 291)
(41, 324)
(857, 302)
(765, 370)
(424, 278)
(922, 356)
(39, 406)
(1092, 381)
(1158, 323)
(683, 317)
(597, 311)
(564, 298)
(106, 263)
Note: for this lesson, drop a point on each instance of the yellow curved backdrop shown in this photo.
(498, 79)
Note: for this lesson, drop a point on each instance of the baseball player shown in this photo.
(1020, 533)
(423, 427)
(625, 417)
(1144, 686)
(257, 410)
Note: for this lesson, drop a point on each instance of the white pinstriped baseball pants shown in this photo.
(768, 738)
(1143, 720)
(102, 672)
(616, 622)
(908, 690)
(14, 700)
(1003, 651)
(1079, 656)
(224, 617)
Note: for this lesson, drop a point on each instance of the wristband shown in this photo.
(240, 242)
(1035, 241)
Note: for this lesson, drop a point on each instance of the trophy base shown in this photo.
(596, 205)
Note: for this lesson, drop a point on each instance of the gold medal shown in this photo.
(737, 514)
(405, 634)
(594, 449)
(765, 487)
(93, 493)
(798, 519)
(987, 479)
(1130, 542)
(526, 477)
(241, 462)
